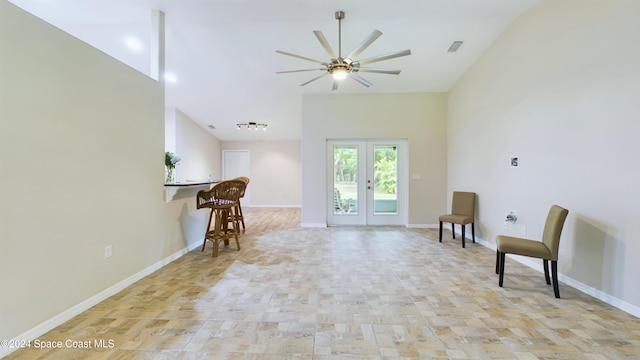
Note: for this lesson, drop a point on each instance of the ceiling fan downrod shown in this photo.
(339, 17)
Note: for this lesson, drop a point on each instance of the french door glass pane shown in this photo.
(385, 174)
(345, 170)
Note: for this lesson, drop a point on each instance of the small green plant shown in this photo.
(170, 161)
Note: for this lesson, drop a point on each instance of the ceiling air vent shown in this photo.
(454, 46)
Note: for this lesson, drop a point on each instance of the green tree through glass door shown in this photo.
(345, 177)
(385, 175)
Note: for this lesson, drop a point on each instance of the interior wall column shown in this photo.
(157, 46)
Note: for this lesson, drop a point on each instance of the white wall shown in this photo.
(200, 151)
(560, 89)
(275, 171)
(418, 117)
(82, 138)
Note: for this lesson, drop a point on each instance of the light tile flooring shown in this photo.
(345, 293)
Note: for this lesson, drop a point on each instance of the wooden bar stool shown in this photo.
(222, 200)
(240, 217)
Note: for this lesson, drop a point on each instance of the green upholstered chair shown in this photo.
(463, 207)
(547, 249)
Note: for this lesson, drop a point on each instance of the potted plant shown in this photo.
(170, 161)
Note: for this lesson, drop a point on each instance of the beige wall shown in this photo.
(559, 89)
(418, 117)
(200, 151)
(275, 171)
(82, 143)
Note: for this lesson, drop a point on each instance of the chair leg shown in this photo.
(453, 230)
(545, 265)
(463, 236)
(501, 278)
(473, 233)
(226, 215)
(206, 232)
(241, 215)
(440, 236)
(554, 274)
(497, 261)
(236, 230)
(217, 233)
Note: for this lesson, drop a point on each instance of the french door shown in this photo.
(366, 182)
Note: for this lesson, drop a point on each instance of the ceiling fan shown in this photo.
(341, 67)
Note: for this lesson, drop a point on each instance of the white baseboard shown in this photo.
(313, 225)
(423, 226)
(273, 206)
(75, 310)
(192, 247)
(600, 295)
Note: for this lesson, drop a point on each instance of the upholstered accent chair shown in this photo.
(547, 249)
(463, 208)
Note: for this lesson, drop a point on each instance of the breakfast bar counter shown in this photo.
(172, 189)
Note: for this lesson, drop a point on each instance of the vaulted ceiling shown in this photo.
(221, 57)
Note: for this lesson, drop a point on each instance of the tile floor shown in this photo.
(345, 293)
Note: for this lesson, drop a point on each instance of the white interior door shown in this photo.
(237, 163)
(367, 182)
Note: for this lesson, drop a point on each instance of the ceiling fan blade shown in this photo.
(378, 71)
(383, 57)
(364, 44)
(301, 70)
(325, 43)
(302, 57)
(359, 79)
(314, 79)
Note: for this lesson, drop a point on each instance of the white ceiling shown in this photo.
(222, 52)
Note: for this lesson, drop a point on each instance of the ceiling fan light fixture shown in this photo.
(340, 67)
(339, 73)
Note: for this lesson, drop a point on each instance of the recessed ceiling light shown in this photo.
(133, 43)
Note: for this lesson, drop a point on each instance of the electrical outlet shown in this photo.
(108, 251)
